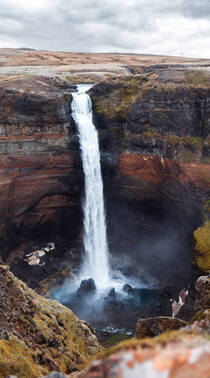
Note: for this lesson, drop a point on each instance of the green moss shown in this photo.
(70, 99)
(133, 343)
(113, 340)
(202, 247)
(16, 359)
(173, 139)
(207, 206)
(152, 134)
(198, 79)
(195, 142)
(46, 329)
(122, 98)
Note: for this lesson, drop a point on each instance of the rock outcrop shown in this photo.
(202, 246)
(151, 327)
(39, 335)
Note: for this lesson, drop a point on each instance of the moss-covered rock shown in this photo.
(151, 327)
(164, 113)
(202, 246)
(38, 335)
(175, 354)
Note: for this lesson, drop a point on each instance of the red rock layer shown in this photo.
(154, 170)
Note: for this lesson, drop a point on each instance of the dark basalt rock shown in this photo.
(128, 289)
(86, 287)
(112, 293)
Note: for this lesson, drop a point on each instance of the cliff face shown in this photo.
(154, 133)
(165, 109)
(40, 176)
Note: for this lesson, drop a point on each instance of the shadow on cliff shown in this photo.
(150, 240)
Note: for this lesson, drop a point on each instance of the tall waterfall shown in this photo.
(96, 261)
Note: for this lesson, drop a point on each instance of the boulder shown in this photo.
(151, 327)
(86, 287)
(112, 293)
(128, 289)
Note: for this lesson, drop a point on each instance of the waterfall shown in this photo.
(96, 261)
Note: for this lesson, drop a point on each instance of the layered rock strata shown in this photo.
(154, 132)
(40, 170)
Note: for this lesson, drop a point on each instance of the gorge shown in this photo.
(106, 181)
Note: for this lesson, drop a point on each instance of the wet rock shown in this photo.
(128, 289)
(151, 327)
(112, 293)
(86, 287)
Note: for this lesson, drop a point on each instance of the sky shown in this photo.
(164, 27)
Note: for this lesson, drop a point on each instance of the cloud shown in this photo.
(143, 26)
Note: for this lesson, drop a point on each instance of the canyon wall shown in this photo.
(154, 141)
(154, 134)
(40, 176)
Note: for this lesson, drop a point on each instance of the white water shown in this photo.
(96, 259)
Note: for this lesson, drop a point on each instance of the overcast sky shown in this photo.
(169, 27)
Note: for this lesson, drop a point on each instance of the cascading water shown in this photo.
(108, 306)
(96, 259)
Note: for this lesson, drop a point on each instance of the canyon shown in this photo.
(153, 130)
(152, 114)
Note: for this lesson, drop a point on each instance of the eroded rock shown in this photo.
(86, 287)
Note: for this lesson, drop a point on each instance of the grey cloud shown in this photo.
(90, 25)
(196, 9)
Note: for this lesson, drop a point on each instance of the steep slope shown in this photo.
(39, 335)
